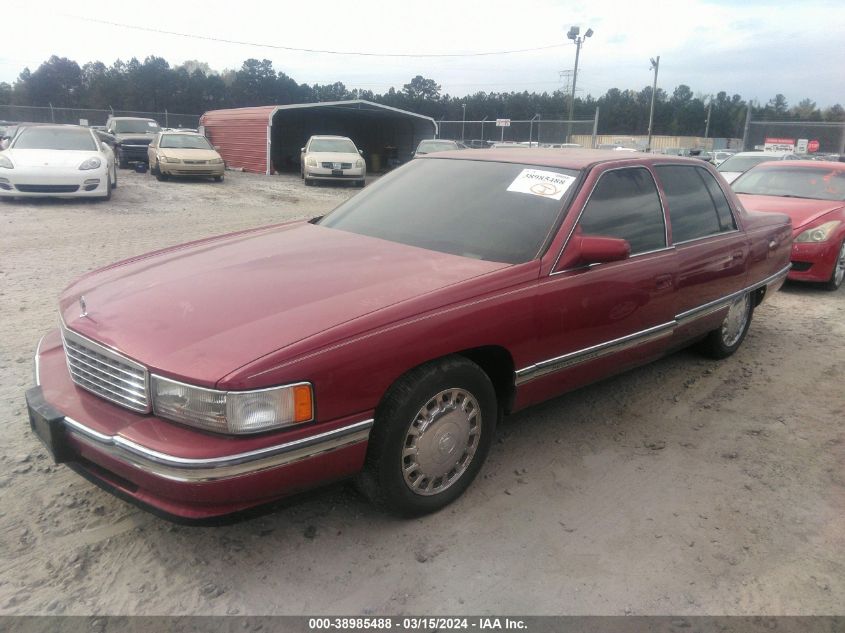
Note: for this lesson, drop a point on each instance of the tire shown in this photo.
(360, 183)
(308, 182)
(433, 430)
(160, 176)
(121, 160)
(218, 179)
(726, 339)
(114, 182)
(109, 187)
(838, 273)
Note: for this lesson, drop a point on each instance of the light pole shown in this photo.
(463, 120)
(573, 35)
(655, 66)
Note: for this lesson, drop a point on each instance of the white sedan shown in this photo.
(62, 161)
(332, 158)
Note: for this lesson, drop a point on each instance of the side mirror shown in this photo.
(600, 250)
(360, 151)
(302, 149)
(216, 148)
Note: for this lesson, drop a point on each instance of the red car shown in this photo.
(385, 340)
(812, 194)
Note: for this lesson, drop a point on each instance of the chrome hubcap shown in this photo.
(734, 323)
(441, 441)
(839, 272)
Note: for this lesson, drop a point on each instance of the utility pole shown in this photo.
(655, 66)
(463, 120)
(707, 123)
(578, 40)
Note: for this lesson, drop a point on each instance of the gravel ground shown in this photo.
(685, 487)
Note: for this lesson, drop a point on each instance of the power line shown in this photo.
(303, 50)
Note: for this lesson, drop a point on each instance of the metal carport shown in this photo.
(267, 139)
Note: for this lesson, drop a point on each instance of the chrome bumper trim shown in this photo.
(649, 335)
(185, 469)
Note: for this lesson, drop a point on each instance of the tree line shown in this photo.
(193, 88)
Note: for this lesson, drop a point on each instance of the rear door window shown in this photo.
(625, 204)
(697, 206)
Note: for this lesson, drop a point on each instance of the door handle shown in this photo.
(662, 282)
(737, 255)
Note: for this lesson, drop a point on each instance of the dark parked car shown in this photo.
(132, 138)
(385, 340)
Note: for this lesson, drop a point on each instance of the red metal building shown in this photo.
(267, 139)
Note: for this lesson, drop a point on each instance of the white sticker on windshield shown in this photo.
(152, 123)
(546, 184)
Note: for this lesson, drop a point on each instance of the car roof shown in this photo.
(809, 164)
(330, 136)
(185, 132)
(763, 153)
(131, 118)
(563, 158)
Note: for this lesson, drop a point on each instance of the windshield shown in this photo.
(140, 126)
(744, 163)
(338, 145)
(436, 146)
(71, 139)
(477, 209)
(801, 182)
(184, 141)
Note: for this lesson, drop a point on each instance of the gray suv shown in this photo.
(132, 138)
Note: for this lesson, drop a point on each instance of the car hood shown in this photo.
(801, 211)
(334, 157)
(201, 310)
(730, 176)
(48, 157)
(189, 154)
(135, 137)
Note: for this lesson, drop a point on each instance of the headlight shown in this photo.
(167, 159)
(5, 163)
(215, 161)
(311, 162)
(359, 162)
(237, 412)
(91, 163)
(819, 233)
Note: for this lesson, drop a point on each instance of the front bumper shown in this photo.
(183, 169)
(175, 470)
(323, 173)
(813, 261)
(53, 183)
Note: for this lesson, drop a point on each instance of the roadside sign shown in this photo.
(813, 146)
(83, 122)
(503, 122)
(779, 145)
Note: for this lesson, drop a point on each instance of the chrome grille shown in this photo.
(342, 165)
(106, 373)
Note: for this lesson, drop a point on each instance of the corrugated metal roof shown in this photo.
(241, 134)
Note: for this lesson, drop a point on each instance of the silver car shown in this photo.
(332, 158)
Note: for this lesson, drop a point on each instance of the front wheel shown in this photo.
(838, 273)
(160, 175)
(726, 339)
(121, 160)
(218, 179)
(432, 433)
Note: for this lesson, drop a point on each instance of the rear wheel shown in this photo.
(432, 433)
(121, 159)
(218, 179)
(726, 339)
(838, 273)
(114, 177)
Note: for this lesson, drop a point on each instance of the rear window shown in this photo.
(69, 139)
(796, 182)
(461, 207)
(744, 163)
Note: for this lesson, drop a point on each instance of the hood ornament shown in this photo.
(83, 307)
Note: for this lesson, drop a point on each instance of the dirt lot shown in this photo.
(685, 487)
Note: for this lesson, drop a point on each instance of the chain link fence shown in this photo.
(84, 116)
(822, 137)
(519, 131)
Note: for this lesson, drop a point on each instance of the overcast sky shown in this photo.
(750, 47)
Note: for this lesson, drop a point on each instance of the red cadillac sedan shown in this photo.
(812, 194)
(385, 340)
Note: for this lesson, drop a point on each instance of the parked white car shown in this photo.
(62, 161)
(332, 158)
(738, 164)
